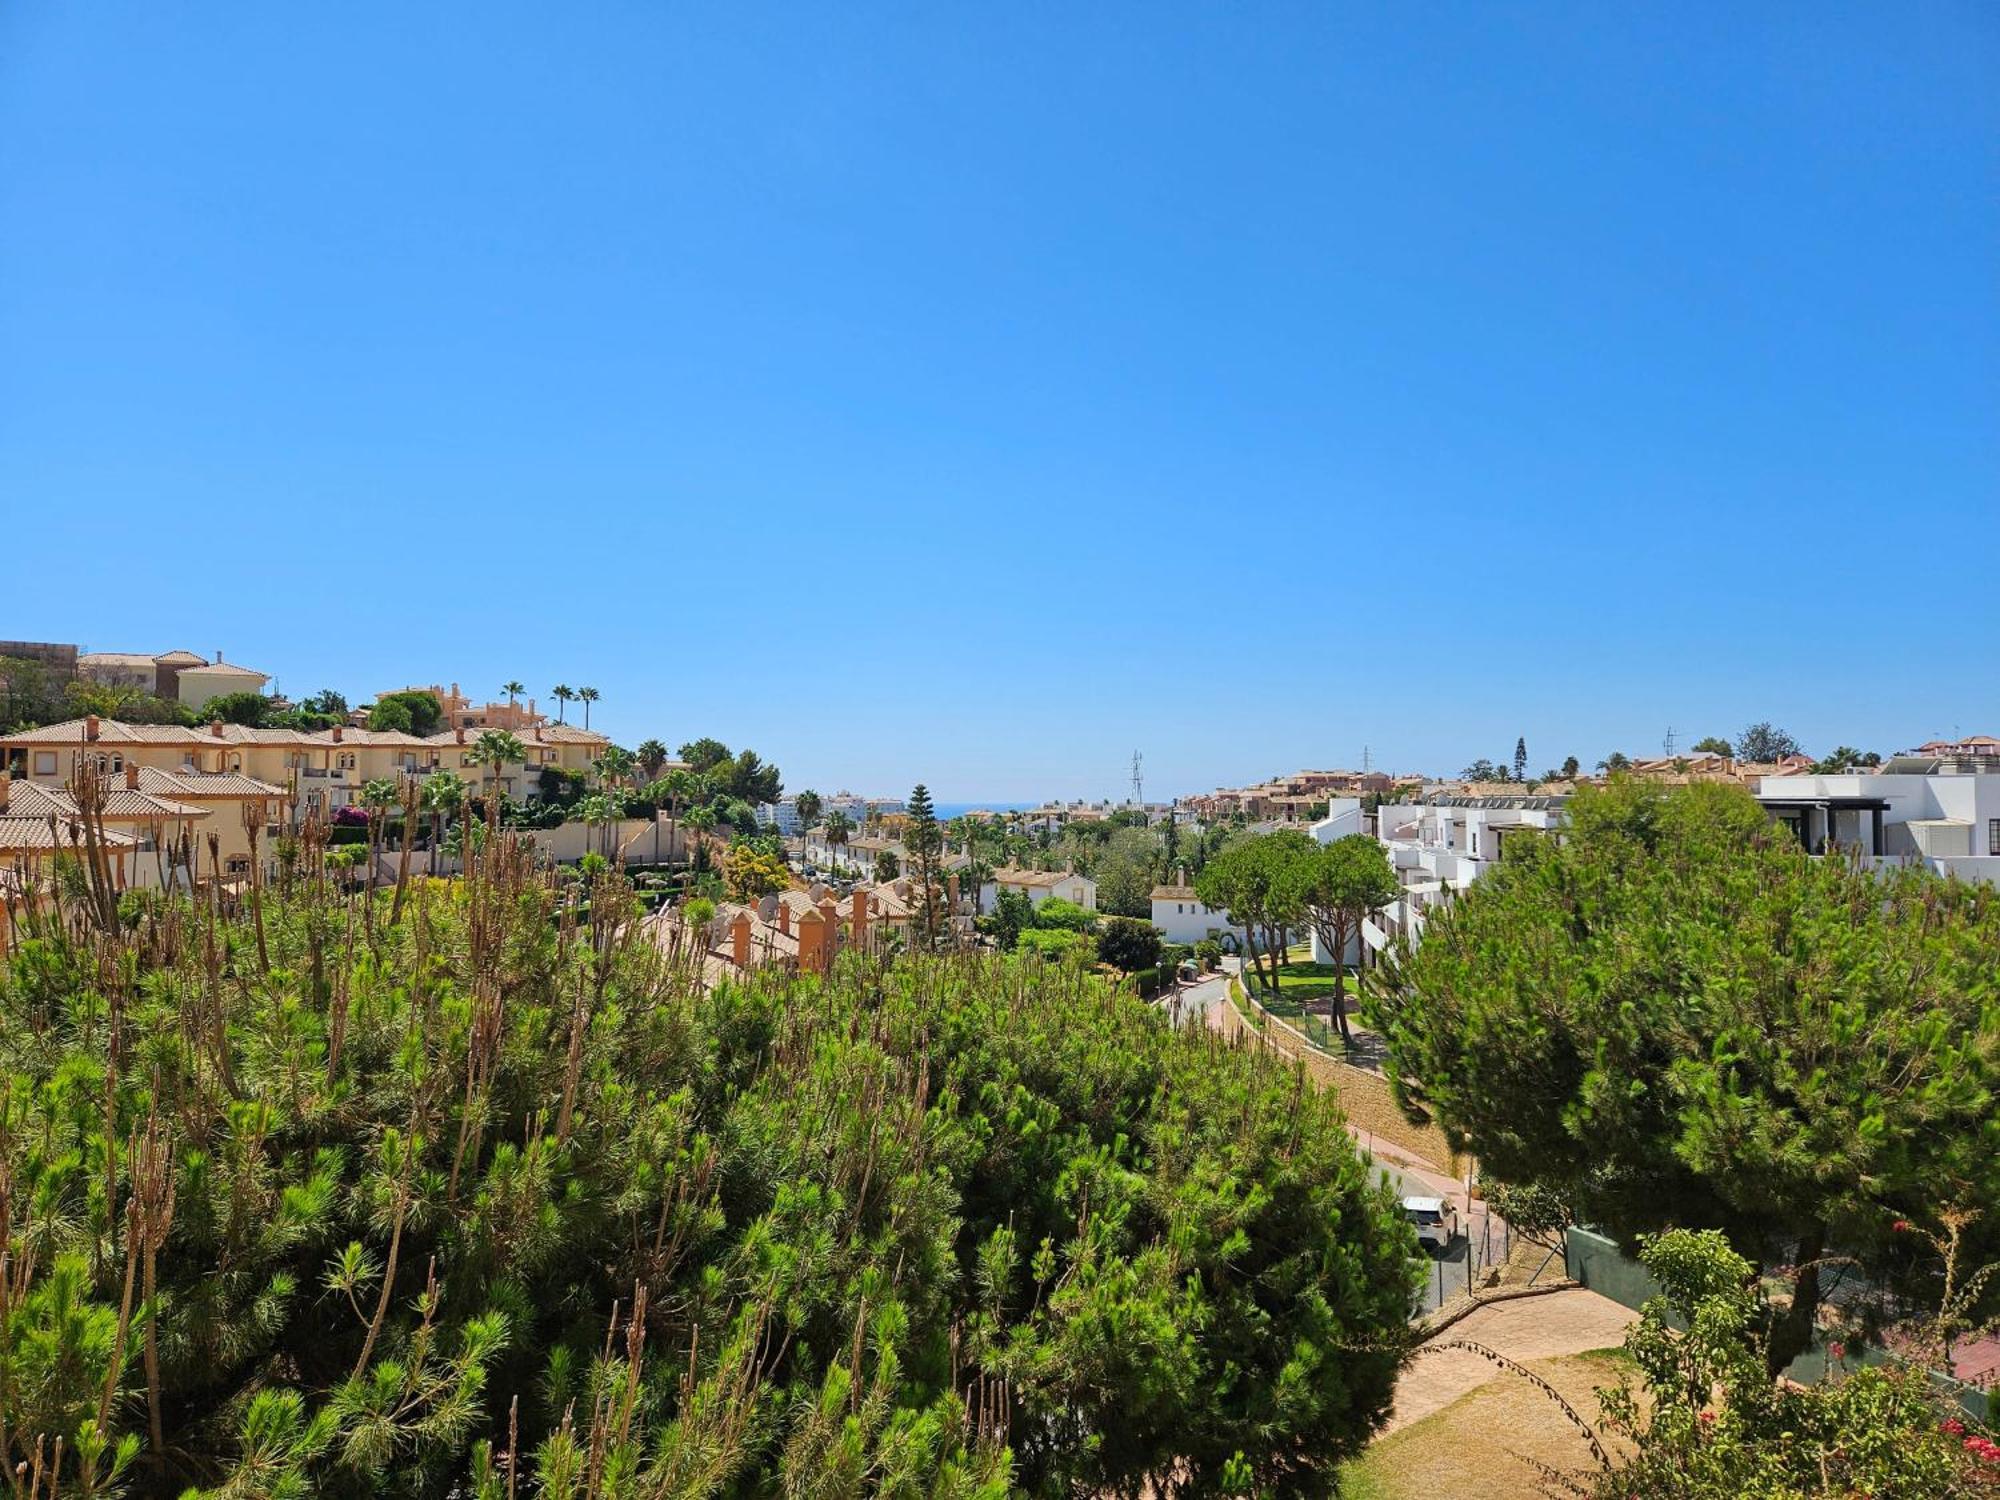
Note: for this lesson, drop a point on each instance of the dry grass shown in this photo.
(1481, 1444)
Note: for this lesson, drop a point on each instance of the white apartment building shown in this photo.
(1437, 846)
(1039, 885)
(1941, 811)
(1179, 914)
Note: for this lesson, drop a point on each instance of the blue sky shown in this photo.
(977, 393)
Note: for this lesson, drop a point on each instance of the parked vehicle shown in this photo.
(1436, 1221)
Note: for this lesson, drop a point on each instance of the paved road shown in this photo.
(1190, 1005)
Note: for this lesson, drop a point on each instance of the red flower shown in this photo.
(1901, 1226)
(1952, 1427)
(1983, 1448)
(1837, 1350)
(1707, 1419)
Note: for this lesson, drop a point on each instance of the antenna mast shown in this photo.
(1138, 780)
(1668, 743)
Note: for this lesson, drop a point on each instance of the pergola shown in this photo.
(1817, 820)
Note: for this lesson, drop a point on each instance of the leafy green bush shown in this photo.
(320, 1200)
(1057, 942)
(1065, 915)
(1128, 944)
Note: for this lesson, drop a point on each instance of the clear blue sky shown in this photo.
(977, 393)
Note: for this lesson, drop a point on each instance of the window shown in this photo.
(45, 763)
(1993, 835)
(235, 762)
(465, 760)
(345, 760)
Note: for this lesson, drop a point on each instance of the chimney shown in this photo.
(784, 917)
(461, 734)
(90, 726)
(215, 727)
(812, 941)
(860, 920)
(336, 734)
(131, 776)
(739, 940)
(6, 786)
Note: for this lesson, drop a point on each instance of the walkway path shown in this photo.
(1527, 1328)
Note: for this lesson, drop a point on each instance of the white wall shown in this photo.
(1190, 921)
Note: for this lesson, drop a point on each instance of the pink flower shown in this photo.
(1837, 1350)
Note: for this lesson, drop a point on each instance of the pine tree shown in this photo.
(925, 841)
(1521, 758)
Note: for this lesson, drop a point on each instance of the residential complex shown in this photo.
(178, 676)
(225, 766)
(1290, 799)
(1937, 805)
(460, 712)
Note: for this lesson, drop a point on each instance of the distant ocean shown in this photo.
(946, 811)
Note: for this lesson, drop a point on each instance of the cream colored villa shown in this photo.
(326, 768)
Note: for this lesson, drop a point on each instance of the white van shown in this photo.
(1436, 1221)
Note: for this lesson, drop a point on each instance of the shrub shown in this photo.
(960, 1227)
(1129, 944)
(1058, 942)
(1058, 913)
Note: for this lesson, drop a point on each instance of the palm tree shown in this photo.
(838, 829)
(513, 690)
(589, 696)
(700, 822)
(677, 789)
(564, 695)
(614, 765)
(496, 748)
(377, 797)
(806, 804)
(595, 812)
(443, 794)
(651, 755)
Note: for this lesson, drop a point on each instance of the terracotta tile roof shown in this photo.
(351, 737)
(40, 834)
(109, 732)
(116, 659)
(223, 669)
(121, 804)
(1013, 877)
(1174, 893)
(175, 784)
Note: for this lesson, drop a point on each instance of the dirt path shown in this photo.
(1530, 1328)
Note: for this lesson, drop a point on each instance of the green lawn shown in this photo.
(1300, 981)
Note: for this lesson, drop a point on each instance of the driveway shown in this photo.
(1190, 1005)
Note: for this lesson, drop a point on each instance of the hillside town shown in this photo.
(1118, 752)
(1286, 915)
